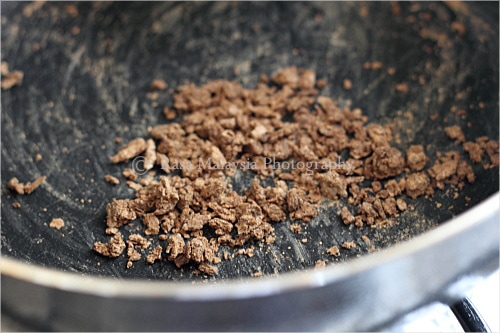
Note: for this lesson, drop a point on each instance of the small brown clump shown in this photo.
(158, 84)
(16, 205)
(333, 251)
(416, 184)
(416, 159)
(132, 149)
(112, 180)
(56, 223)
(296, 228)
(129, 174)
(475, 151)
(347, 84)
(402, 88)
(10, 79)
(320, 264)
(212, 270)
(385, 162)
(348, 245)
(455, 133)
(154, 255)
(346, 215)
(112, 249)
(28, 188)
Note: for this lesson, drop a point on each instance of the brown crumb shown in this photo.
(38, 157)
(348, 245)
(154, 255)
(416, 184)
(209, 269)
(321, 83)
(158, 84)
(72, 10)
(129, 174)
(346, 215)
(16, 205)
(333, 251)
(475, 151)
(4, 69)
(28, 188)
(15, 185)
(320, 264)
(402, 88)
(416, 157)
(459, 28)
(112, 180)
(56, 223)
(455, 133)
(296, 228)
(347, 84)
(130, 150)
(10, 79)
(169, 113)
(152, 96)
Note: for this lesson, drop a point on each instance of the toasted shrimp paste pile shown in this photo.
(284, 133)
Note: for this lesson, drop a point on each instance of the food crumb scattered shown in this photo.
(16, 205)
(158, 84)
(455, 133)
(38, 157)
(22, 188)
(154, 255)
(209, 269)
(333, 251)
(10, 79)
(296, 228)
(402, 87)
(348, 245)
(347, 84)
(112, 180)
(320, 264)
(321, 83)
(56, 223)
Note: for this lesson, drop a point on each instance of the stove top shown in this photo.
(439, 317)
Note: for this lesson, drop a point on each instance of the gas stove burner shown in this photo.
(476, 312)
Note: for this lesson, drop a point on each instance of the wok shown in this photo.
(87, 69)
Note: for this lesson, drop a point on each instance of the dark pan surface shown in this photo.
(81, 90)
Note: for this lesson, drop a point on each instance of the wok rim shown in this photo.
(248, 287)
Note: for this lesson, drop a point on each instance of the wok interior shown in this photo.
(81, 90)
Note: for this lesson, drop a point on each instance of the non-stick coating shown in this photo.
(86, 80)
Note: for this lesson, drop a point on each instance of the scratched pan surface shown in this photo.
(87, 76)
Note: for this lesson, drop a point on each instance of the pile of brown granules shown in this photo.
(282, 129)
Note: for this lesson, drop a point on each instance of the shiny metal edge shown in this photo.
(253, 287)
